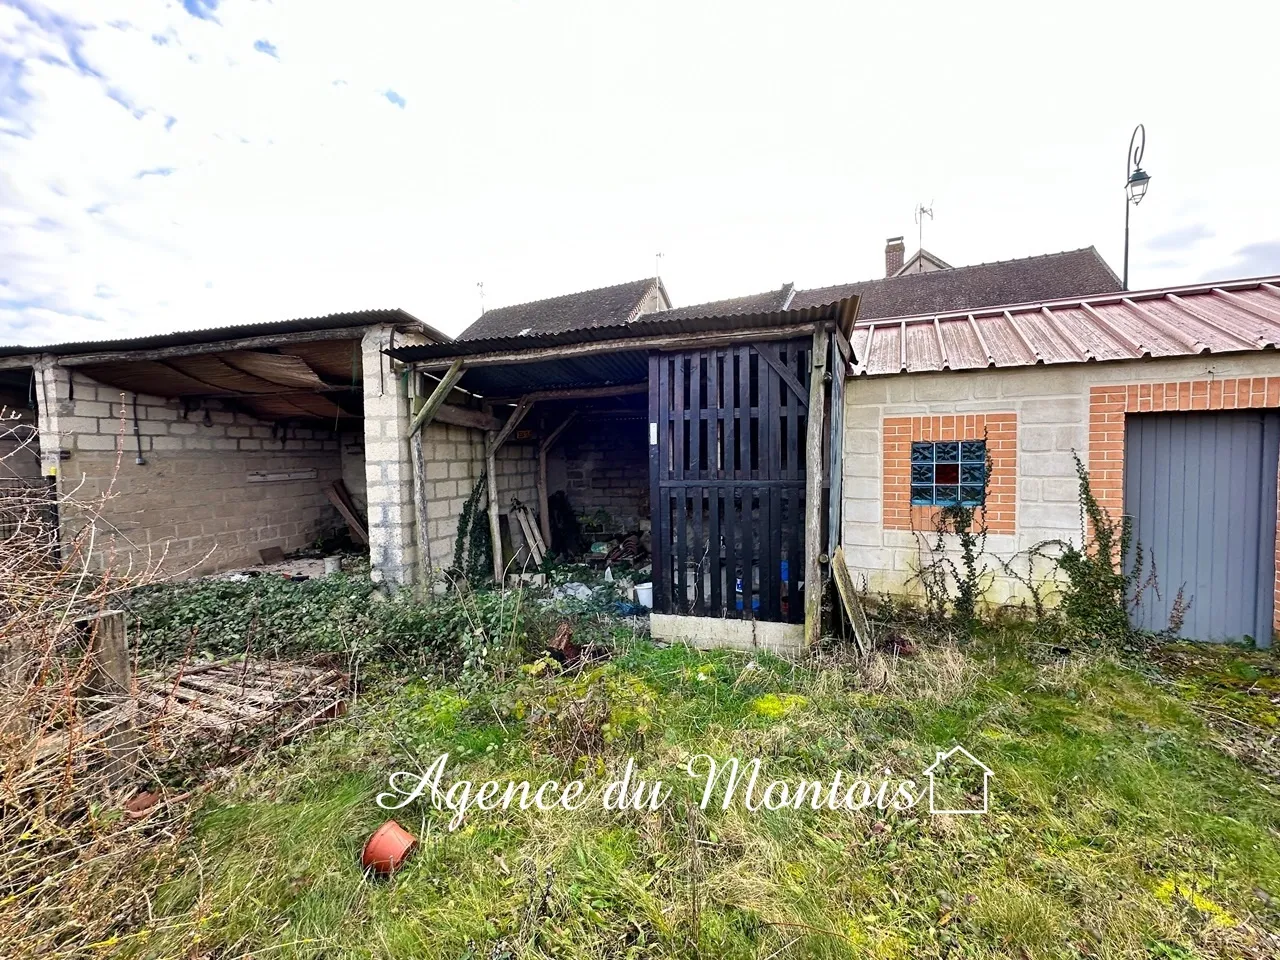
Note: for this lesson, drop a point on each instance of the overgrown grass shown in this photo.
(1118, 826)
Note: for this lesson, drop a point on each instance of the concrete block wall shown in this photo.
(453, 459)
(1051, 405)
(393, 550)
(517, 464)
(351, 445)
(604, 466)
(192, 501)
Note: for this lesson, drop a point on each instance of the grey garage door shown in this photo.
(1201, 488)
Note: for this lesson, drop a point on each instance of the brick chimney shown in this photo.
(894, 249)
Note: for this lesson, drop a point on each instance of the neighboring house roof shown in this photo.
(272, 328)
(603, 307)
(753, 303)
(1233, 317)
(923, 254)
(1053, 276)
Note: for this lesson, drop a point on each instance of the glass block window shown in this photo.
(948, 472)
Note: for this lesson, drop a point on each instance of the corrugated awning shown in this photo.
(1229, 317)
(511, 366)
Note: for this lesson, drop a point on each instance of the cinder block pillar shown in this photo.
(53, 401)
(393, 551)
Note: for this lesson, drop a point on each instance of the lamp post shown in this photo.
(1135, 186)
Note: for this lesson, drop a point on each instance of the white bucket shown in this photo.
(332, 565)
(644, 595)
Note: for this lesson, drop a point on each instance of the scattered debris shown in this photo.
(562, 647)
(340, 497)
(579, 591)
(209, 703)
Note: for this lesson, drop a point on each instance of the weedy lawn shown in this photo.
(1132, 814)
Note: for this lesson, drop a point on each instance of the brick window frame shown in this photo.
(1110, 404)
(1000, 430)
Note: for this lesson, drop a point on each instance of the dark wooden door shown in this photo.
(727, 429)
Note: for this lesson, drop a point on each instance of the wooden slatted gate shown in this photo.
(727, 479)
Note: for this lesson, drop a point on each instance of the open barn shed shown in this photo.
(201, 450)
(713, 432)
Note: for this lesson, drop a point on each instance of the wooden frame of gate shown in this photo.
(740, 460)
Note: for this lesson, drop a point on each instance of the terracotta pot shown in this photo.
(388, 848)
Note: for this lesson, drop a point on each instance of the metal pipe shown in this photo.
(137, 433)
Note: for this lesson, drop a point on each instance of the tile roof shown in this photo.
(1230, 317)
(1053, 276)
(603, 307)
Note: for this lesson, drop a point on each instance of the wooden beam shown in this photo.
(675, 341)
(813, 491)
(496, 440)
(544, 519)
(423, 416)
(844, 346)
(495, 529)
(787, 376)
(466, 417)
(578, 393)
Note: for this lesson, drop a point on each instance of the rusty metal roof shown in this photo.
(1180, 321)
(215, 335)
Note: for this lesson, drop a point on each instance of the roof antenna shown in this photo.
(657, 266)
(921, 212)
(480, 287)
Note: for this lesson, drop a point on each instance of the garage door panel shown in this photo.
(1201, 491)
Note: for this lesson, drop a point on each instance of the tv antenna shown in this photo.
(480, 287)
(921, 212)
(657, 266)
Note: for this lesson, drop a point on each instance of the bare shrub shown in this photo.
(74, 864)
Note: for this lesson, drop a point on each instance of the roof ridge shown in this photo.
(967, 266)
(575, 293)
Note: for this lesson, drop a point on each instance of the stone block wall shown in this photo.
(603, 466)
(192, 501)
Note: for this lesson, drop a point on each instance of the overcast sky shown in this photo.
(210, 162)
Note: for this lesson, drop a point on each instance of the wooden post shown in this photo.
(813, 490)
(544, 519)
(110, 684)
(495, 530)
(110, 673)
(496, 440)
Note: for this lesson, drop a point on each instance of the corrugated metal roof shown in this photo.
(332, 321)
(645, 325)
(1179, 321)
(514, 376)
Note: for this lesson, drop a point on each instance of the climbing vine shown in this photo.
(474, 545)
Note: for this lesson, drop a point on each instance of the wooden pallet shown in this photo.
(208, 702)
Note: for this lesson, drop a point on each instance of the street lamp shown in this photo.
(1136, 181)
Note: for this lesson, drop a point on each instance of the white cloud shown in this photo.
(396, 158)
